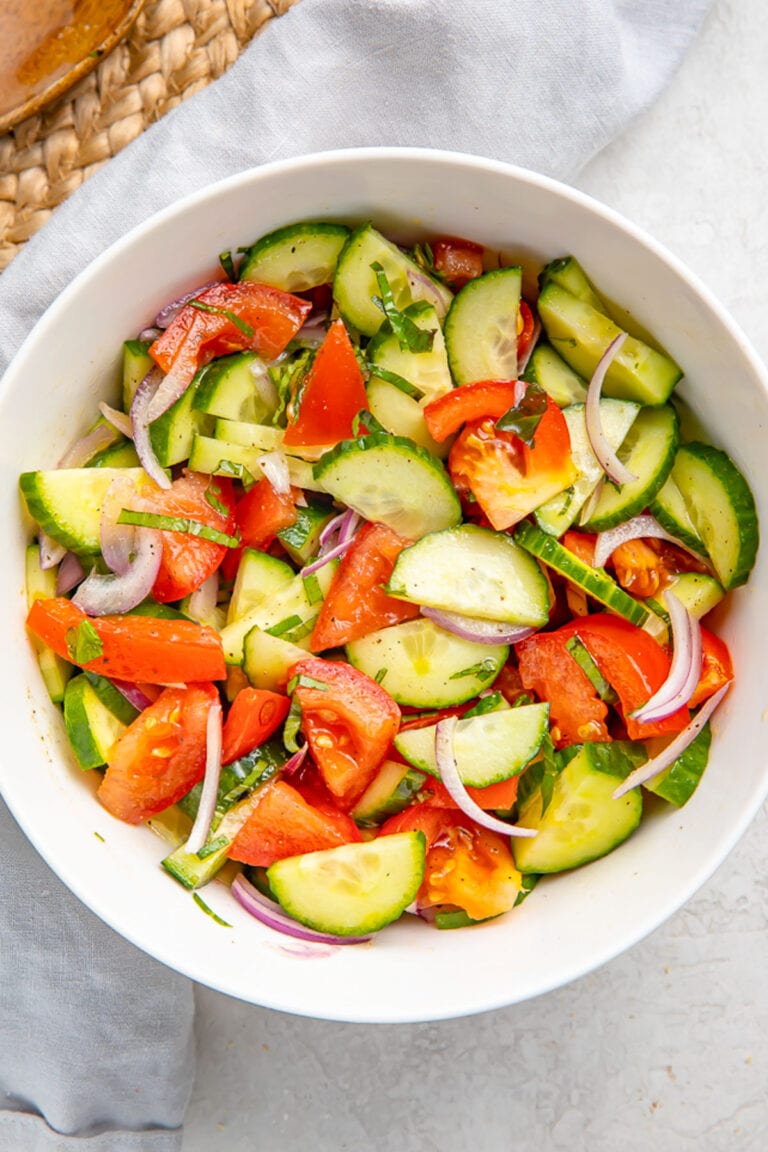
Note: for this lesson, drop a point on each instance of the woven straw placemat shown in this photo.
(175, 48)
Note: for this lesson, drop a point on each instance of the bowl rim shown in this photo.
(668, 905)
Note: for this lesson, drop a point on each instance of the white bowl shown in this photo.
(572, 923)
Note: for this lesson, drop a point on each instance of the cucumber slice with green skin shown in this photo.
(427, 372)
(259, 576)
(722, 508)
(393, 788)
(402, 415)
(66, 502)
(569, 274)
(250, 434)
(353, 889)
(223, 458)
(297, 257)
(150, 607)
(122, 454)
(473, 571)
(190, 869)
(391, 480)
(136, 363)
(267, 659)
(172, 433)
(668, 506)
(41, 585)
(226, 388)
(648, 451)
(678, 783)
(617, 416)
(91, 726)
(481, 327)
(423, 666)
(594, 581)
(582, 821)
(558, 380)
(488, 748)
(302, 539)
(111, 698)
(698, 591)
(581, 334)
(355, 285)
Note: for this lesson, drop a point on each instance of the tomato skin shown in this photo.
(507, 477)
(262, 513)
(576, 711)
(582, 544)
(282, 823)
(486, 398)
(356, 603)
(349, 725)
(458, 261)
(333, 393)
(135, 648)
(188, 561)
(526, 328)
(254, 715)
(194, 337)
(502, 795)
(160, 756)
(716, 668)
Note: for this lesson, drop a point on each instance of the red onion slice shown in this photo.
(170, 311)
(350, 523)
(423, 287)
(149, 334)
(117, 419)
(140, 421)
(272, 915)
(685, 669)
(637, 528)
(295, 761)
(84, 449)
(204, 600)
(207, 806)
(275, 467)
(117, 540)
(480, 631)
(115, 594)
(676, 748)
(70, 573)
(132, 694)
(522, 363)
(50, 552)
(449, 774)
(332, 554)
(604, 454)
(330, 529)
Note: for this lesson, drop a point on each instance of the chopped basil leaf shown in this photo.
(244, 327)
(410, 337)
(301, 630)
(212, 846)
(292, 727)
(523, 419)
(83, 643)
(380, 675)
(287, 380)
(209, 911)
(284, 626)
(237, 471)
(312, 589)
(485, 704)
(212, 494)
(99, 837)
(482, 670)
(302, 681)
(364, 421)
(177, 524)
(529, 882)
(585, 661)
(228, 264)
(398, 381)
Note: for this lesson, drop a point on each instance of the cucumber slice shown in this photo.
(551, 372)
(297, 257)
(393, 788)
(259, 576)
(678, 783)
(581, 334)
(669, 509)
(569, 274)
(355, 284)
(41, 585)
(121, 454)
(617, 416)
(722, 508)
(267, 659)
(224, 458)
(66, 502)
(401, 415)
(391, 480)
(582, 821)
(249, 434)
(481, 327)
(226, 387)
(302, 540)
(473, 571)
(594, 581)
(111, 698)
(136, 363)
(91, 726)
(353, 889)
(699, 592)
(649, 452)
(427, 372)
(423, 666)
(488, 748)
(173, 432)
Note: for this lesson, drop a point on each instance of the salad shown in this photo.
(382, 592)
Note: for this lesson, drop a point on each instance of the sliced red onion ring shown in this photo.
(171, 311)
(332, 527)
(449, 774)
(133, 695)
(592, 502)
(522, 363)
(84, 449)
(140, 421)
(604, 454)
(295, 761)
(50, 552)
(272, 915)
(207, 806)
(312, 334)
(350, 523)
(203, 601)
(114, 594)
(674, 749)
(70, 573)
(635, 529)
(117, 540)
(149, 334)
(170, 389)
(423, 287)
(685, 669)
(481, 631)
(275, 467)
(117, 419)
(332, 554)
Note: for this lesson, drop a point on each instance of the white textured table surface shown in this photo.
(666, 1048)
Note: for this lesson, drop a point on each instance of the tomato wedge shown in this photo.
(457, 261)
(262, 513)
(349, 723)
(134, 648)
(283, 824)
(716, 668)
(470, 402)
(332, 395)
(160, 756)
(188, 561)
(233, 318)
(255, 714)
(356, 603)
(502, 795)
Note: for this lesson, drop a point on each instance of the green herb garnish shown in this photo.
(83, 643)
(585, 661)
(485, 704)
(312, 589)
(244, 327)
(177, 524)
(523, 419)
(365, 422)
(237, 471)
(380, 675)
(212, 494)
(284, 626)
(396, 380)
(482, 670)
(302, 681)
(212, 846)
(209, 911)
(292, 727)
(410, 337)
(228, 264)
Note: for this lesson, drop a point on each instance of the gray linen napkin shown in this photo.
(96, 1038)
